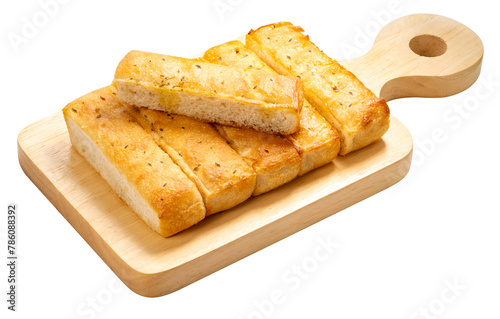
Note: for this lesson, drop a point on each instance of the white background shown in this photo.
(397, 253)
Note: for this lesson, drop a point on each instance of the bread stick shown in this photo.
(209, 92)
(128, 158)
(358, 115)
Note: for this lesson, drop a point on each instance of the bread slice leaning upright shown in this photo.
(211, 93)
(128, 158)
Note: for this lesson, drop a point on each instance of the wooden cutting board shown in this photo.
(418, 55)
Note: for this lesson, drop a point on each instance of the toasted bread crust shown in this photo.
(274, 159)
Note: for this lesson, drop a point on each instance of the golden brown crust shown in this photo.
(230, 96)
(223, 178)
(273, 158)
(148, 169)
(335, 92)
(316, 141)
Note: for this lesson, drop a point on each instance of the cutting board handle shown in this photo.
(420, 55)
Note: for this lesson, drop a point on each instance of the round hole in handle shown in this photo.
(428, 45)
